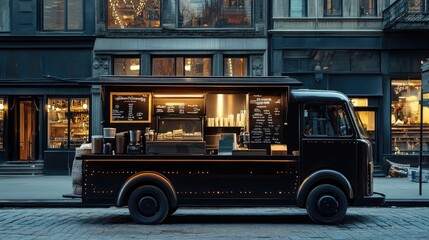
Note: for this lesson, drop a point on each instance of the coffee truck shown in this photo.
(228, 142)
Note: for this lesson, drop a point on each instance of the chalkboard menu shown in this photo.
(265, 120)
(179, 106)
(126, 107)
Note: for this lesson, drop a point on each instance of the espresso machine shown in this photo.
(135, 144)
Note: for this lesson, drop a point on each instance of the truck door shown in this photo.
(328, 140)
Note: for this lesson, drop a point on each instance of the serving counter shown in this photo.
(175, 147)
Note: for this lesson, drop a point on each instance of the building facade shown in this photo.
(372, 50)
(47, 46)
(180, 38)
(44, 47)
(369, 49)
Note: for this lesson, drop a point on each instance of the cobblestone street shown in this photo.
(212, 223)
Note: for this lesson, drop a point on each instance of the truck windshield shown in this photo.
(361, 128)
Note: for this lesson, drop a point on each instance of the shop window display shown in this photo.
(68, 122)
(405, 117)
(134, 13)
(215, 13)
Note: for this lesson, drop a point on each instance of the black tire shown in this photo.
(326, 204)
(172, 211)
(148, 205)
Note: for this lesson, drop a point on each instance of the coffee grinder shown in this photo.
(109, 141)
(135, 145)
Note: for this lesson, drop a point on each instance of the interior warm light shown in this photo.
(178, 95)
(134, 67)
(187, 68)
(1, 106)
(85, 106)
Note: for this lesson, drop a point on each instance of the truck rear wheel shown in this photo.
(326, 204)
(148, 205)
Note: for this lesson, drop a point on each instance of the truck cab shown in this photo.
(335, 153)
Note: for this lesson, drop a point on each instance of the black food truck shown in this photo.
(227, 142)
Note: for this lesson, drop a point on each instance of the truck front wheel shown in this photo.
(326, 204)
(148, 205)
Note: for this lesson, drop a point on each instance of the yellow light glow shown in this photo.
(178, 95)
(219, 107)
(135, 67)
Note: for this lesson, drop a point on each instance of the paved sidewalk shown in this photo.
(50, 190)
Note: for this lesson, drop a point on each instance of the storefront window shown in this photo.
(126, 66)
(368, 8)
(134, 13)
(63, 15)
(2, 106)
(182, 66)
(333, 7)
(405, 117)
(331, 60)
(215, 13)
(298, 8)
(68, 122)
(235, 66)
(4, 16)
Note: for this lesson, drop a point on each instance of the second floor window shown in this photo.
(134, 13)
(367, 8)
(63, 15)
(235, 66)
(298, 8)
(4, 16)
(333, 7)
(215, 13)
(129, 66)
(182, 66)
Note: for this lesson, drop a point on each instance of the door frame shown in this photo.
(15, 134)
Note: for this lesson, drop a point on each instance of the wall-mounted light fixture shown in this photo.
(318, 73)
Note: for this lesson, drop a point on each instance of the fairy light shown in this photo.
(115, 6)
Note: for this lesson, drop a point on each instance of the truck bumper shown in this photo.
(376, 199)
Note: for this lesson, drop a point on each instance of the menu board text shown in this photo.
(128, 107)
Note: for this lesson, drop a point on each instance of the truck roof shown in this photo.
(310, 95)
